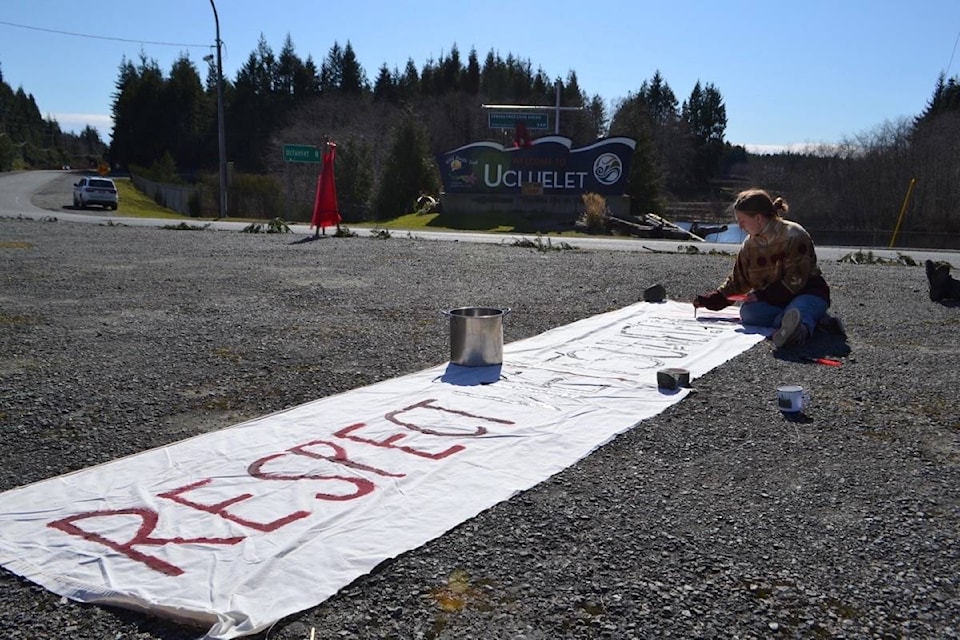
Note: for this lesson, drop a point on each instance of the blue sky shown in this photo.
(799, 73)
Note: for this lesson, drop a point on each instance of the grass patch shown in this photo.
(135, 204)
(940, 410)
(494, 221)
(16, 320)
(460, 592)
(228, 354)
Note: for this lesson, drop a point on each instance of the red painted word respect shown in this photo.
(271, 467)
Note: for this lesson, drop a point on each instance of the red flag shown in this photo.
(326, 213)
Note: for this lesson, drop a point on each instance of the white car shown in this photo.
(95, 190)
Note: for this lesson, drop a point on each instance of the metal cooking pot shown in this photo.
(476, 335)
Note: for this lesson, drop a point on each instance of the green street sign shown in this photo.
(508, 120)
(301, 153)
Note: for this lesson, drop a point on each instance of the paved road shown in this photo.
(38, 194)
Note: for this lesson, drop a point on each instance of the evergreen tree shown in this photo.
(210, 132)
(660, 100)
(520, 79)
(471, 77)
(450, 72)
(353, 79)
(8, 152)
(23, 119)
(385, 87)
(633, 120)
(289, 67)
(138, 107)
(254, 109)
(331, 70)
(264, 71)
(493, 78)
(945, 98)
(90, 143)
(429, 78)
(543, 88)
(408, 85)
(123, 140)
(306, 81)
(667, 133)
(596, 114)
(355, 179)
(580, 126)
(246, 125)
(409, 168)
(705, 117)
(187, 114)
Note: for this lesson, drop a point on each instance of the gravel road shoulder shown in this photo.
(716, 518)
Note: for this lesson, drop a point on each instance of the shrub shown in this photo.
(195, 203)
(595, 213)
(276, 225)
(255, 196)
(408, 170)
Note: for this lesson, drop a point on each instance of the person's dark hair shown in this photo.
(758, 201)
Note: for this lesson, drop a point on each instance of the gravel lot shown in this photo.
(718, 518)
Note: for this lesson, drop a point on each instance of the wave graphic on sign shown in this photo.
(551, 163)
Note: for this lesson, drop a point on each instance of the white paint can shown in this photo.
(791, 398)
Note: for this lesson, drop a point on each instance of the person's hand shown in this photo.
(713, 300)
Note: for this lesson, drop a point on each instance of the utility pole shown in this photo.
(221, 136)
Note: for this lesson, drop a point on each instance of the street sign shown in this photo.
(509, 120)
(301, 153)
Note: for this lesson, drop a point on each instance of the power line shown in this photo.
(950, 64)
(93, 37)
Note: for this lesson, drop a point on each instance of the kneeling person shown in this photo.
(777, 268)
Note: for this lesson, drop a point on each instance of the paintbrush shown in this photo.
(830, 362)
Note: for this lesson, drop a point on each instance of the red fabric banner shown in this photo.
(326, 213)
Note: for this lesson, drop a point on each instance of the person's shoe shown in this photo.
(938, 275)
(791, 330)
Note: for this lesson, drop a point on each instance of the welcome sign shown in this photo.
(490, 168)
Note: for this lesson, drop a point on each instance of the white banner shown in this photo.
(238, 528)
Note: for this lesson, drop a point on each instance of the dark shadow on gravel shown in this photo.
(830, 346)
(87, 209)
(154, 626)
(797, 418)
(311, 238)
(307, 239)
